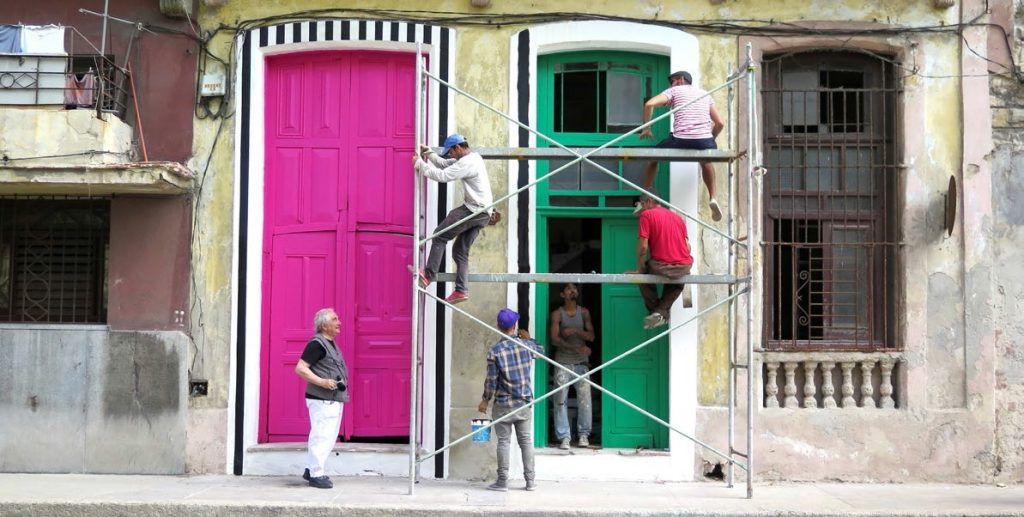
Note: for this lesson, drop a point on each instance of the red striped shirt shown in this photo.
(693, 121)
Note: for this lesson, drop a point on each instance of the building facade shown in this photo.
(95, 237)
(886, 346)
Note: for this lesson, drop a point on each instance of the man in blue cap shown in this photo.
(509, 382)
(457, 162)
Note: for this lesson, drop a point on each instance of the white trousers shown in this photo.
(324, 423)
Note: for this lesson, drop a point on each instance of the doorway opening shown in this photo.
(574, 246)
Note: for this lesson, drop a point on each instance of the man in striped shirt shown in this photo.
(693, 127)
(509, 380)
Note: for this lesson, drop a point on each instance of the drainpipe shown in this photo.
(103, 41)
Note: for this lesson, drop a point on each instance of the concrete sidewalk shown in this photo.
(72, 494)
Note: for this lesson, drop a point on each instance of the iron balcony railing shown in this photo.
(73, 81)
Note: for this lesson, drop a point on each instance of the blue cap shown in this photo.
(507, 318)
(452, 140)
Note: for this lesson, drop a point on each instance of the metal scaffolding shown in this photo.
(738, 285)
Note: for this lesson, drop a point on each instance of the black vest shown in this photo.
(332, 366)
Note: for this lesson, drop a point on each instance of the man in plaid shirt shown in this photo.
(509, 381)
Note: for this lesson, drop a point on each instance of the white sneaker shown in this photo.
(565, 444)
(583, 442)
(716, 211)
(653, 320)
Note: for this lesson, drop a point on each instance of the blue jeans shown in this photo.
(584, 410)
(523, 424)
(464, 235)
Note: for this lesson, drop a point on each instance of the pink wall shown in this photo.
(149, 262)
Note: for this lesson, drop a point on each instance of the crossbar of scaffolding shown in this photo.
(618, 153)
(585, 155)
(593, 278)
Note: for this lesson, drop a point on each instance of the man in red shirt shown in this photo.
(663, 234)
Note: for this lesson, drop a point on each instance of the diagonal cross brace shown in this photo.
(582, 157)
(585, 377)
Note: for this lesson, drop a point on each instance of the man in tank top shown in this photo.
(571, 330)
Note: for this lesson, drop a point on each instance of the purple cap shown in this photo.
(507, 318)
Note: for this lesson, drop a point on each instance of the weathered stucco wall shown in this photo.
(944, 324)
(85, 399)
(945, 388)
(1008, 252)
(57, 132)
(210, 304)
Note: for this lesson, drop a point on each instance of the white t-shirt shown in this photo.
(470, 169)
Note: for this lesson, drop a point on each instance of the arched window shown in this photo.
(831, 128)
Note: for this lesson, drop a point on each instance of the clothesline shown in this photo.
(32, 39)
(43, 40)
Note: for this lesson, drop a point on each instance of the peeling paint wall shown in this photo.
(946, 315)
(1008, 255)
(52, 132)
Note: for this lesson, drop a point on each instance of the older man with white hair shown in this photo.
(323, 368)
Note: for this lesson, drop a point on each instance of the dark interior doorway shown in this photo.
(574, 246)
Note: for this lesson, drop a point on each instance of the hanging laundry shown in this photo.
(10, 39)
(42, 39)
(79, 90)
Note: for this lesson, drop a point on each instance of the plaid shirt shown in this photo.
(510, 373)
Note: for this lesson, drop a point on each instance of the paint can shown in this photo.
(478, 423)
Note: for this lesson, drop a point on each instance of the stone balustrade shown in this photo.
(831, 380)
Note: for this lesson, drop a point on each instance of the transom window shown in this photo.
(830, 220)
(587, 99)
(599, 96)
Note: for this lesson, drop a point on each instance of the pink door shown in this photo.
(337, 232)
(302, 282)
(382, 335)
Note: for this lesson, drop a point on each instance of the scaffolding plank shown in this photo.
(620, 153)
(591, 278)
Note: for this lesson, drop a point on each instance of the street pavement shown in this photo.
(60, 495)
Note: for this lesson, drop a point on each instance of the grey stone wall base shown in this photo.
(90, 400)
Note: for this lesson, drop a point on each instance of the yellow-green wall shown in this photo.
(481, 67)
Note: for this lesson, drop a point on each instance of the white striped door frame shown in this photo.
(319, 35)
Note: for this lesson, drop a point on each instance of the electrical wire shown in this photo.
(92, 152)
(737, 27)
(196, 307)
(740, 27)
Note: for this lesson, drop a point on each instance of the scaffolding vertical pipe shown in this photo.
(103, 32)
(415, 317)
(731, 258)
(751, 178)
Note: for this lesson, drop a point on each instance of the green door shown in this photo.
(642, 377)
(585, 99)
